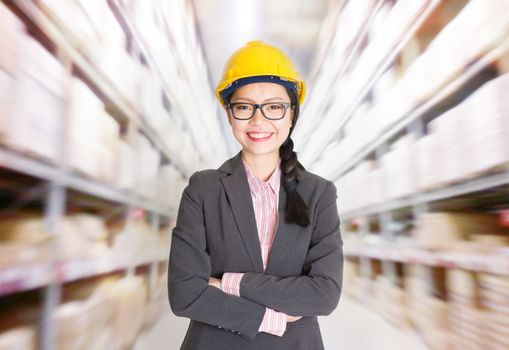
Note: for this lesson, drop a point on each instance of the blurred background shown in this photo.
(107, 108)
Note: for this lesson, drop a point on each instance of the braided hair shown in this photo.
(296, 210)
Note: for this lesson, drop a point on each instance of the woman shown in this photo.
(256, 253)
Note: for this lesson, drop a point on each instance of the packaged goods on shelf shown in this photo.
(20, 338)
(122, 71)
(357, 178)
(428, 313)
(151, 99)
(427, 158)
(349, 199)
(495, 299)
(385, 83)
(445, 48)
(85, 324)
(398, 20)
(136, 244)
(36, 127)
(353, 17)
(23, 240)
(93, 135)
(107, 317)
(156, 302)
(442, 230)
(82, 237)
(148, 160)
(164, 242)
(390, 301)
(103, 22)
(441, 15)
(73, 326)
(465, 312)
(11, 31)
(129, 299)
(170, 186)
(6, 82)
(70, 18)
(398, 168)
(350, 274)
(452, 139)
(487, 125)
(126, 169)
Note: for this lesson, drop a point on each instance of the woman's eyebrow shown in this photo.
(282, 99)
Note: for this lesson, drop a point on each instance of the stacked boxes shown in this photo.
(495, 300)
(466, 318)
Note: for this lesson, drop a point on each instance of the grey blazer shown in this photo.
(216, 232)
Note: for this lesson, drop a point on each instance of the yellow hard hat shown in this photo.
(259, 59)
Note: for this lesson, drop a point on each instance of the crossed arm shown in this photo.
(191, 295)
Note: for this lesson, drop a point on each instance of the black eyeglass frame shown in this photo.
(255, 106)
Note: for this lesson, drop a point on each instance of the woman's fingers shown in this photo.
(292, 318)
(215, 282)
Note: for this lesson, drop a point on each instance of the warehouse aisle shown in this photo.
(351, 326)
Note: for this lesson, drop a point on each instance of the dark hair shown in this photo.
(296, 211)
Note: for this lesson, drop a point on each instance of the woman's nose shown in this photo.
(258, 117)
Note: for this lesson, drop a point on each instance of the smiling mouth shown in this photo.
(259, 136)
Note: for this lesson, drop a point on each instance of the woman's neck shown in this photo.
(262, 165)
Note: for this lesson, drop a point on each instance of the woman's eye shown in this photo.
(243, 107)
(275, 106)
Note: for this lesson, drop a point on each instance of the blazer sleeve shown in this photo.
(317, 292)
(189, 270)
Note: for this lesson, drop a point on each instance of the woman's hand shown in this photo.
(214, 282)
(292, 318)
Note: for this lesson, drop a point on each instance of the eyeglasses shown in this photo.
(270, 110)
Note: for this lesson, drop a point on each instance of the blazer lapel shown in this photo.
(239, 195)
(285, 235)
(237, 190)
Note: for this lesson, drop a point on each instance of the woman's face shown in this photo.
(274, 132)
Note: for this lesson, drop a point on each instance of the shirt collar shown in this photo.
(256, 185)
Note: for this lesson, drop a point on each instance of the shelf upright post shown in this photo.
(386, 219)
(365, 261)
(132, 130)
(426, 271)
(154, 266)
(54, 212)
(418, 128)
(128, 229)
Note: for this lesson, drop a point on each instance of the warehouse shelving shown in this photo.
(486, 182)
(44, 171)
(387, 60)
(338, 70)
(130, 27)
(489, 263)
(409, 117)
(394, 262)
(17, 279)
(66, 189)
(314, 147)
(94, 76)
(204, 126)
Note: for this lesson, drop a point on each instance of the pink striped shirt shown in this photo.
(265, 197)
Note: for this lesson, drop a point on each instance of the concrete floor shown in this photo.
(350, 326)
